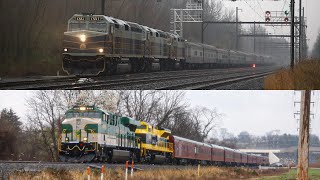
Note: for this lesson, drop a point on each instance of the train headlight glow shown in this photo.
(100, 50)
(65, 49)
(85, 139)
(83, 38)
(83, 108)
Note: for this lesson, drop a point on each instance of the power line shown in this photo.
(254, 9)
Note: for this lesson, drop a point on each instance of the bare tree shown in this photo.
(156, 107)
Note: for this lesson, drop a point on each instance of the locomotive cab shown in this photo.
(85, 44)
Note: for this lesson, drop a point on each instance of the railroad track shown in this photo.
(23, 83)
(122, 81)
(212, 84)
(142, 82)
(130, 82)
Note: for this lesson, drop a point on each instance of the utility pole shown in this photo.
(237, 28)
(303, 152)
(254, 38)
(292, 34)
(103, 4)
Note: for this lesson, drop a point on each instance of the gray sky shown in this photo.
(257, 112)
(248, 14)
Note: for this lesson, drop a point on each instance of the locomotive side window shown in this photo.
(126, 27)
(116, 121)
(142, 127)
(111, 29)
(112, 120)
(108, 117)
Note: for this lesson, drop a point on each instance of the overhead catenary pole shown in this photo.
(292, 34)
(303, 149)
(237, 28)
(254, 38)
(300, 29)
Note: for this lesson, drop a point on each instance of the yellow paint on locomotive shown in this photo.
(161, 135)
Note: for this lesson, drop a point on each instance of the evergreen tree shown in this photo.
(10, 128)
(316, 48)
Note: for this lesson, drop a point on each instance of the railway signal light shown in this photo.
(267, 19)
(268, 13)
(286, 13)
(286, 19)
(268, 16)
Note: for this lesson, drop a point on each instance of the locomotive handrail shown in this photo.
(76, 146)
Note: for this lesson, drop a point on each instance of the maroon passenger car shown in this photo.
(189, 151)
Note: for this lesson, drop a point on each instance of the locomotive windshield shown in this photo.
(77, 26)
(99, 27)
(83, 114)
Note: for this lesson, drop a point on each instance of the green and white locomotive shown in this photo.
(89, 133)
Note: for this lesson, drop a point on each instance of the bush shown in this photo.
(304, 76)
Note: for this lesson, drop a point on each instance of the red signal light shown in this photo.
(267, 19)
(254, 65)
(286, 19)
(268, 13)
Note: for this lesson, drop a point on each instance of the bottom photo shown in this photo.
(158, 134)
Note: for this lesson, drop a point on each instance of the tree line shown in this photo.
(32, 31)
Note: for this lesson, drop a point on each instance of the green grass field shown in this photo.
(314, 174)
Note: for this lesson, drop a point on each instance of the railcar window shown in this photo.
(77, 26)
(195, 53)
(157, 34)
(100, 27)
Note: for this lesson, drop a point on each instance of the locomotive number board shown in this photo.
(82, 18)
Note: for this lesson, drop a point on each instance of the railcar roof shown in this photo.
(191, 141)
(216, 146)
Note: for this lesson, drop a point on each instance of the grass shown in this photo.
(163, 174)
(305, 75)
(314, 174)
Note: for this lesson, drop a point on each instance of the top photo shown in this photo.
(160, 44)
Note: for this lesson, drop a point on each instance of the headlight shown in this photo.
(65, 49)
(67, 139)
(100, 50)
(85, 139)
(82, 108)
(83, 38)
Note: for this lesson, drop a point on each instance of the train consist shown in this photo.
(92, 134)
(98, 44)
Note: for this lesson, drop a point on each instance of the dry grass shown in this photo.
(163, 174)
(305, 75)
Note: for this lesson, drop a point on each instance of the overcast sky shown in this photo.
(257, 112)
(248, 14)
